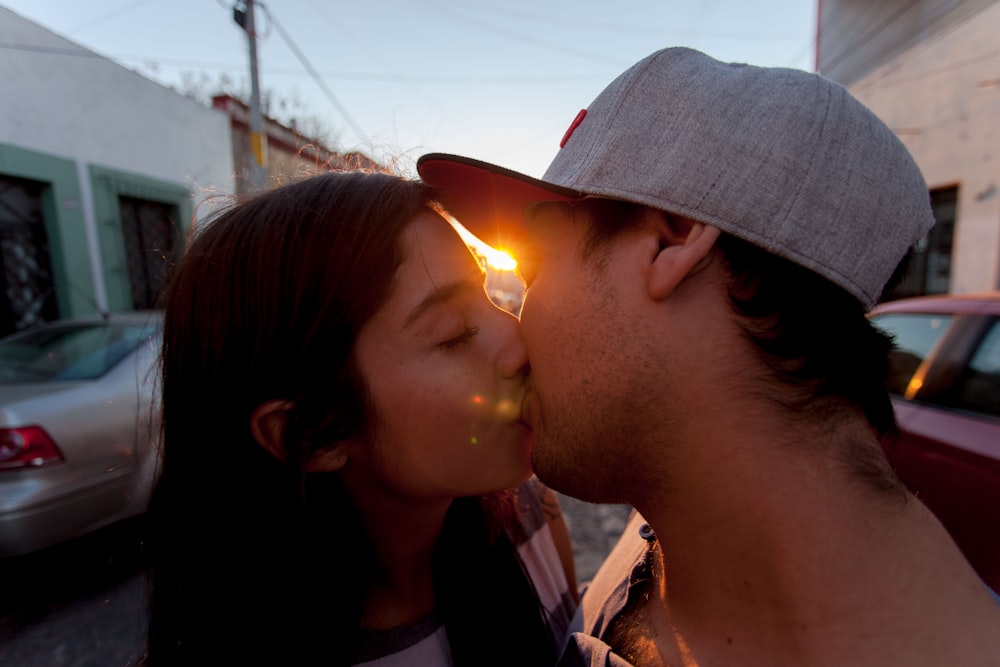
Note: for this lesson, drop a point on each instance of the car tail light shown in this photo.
(27, 447)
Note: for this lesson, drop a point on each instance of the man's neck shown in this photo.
(813, 572)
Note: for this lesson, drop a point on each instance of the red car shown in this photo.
(945, 386)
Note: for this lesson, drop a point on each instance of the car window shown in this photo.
(67, 352)
(978, 386)
(915, 335)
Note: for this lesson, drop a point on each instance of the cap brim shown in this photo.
(488, 200)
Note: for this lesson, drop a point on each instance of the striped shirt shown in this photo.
(425, 641)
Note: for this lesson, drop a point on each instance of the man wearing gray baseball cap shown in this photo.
(700, 257)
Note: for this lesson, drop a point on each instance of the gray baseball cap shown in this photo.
(785, 159)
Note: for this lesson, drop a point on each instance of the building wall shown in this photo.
(942, 98)
(855, 36)
(92, 130)
(289, 155)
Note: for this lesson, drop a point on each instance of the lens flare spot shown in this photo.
(474, 440)
(477, 400)
(507, 409)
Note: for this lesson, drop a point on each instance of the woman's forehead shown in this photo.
(433, 247)
(435, 261)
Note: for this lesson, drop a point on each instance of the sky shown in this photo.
(498, 80)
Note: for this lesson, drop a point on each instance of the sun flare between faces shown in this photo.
(497, 258)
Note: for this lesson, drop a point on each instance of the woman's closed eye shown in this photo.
(460, 339)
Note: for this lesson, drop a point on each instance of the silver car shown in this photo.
(79, 420)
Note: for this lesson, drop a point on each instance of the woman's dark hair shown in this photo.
(253, 560)
(812, 334)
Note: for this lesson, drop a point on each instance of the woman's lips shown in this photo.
(508, 410)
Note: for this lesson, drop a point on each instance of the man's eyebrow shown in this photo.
(446, 292)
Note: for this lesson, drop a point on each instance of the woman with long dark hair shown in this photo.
(346, 479)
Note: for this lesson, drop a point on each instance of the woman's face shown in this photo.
(446, 369)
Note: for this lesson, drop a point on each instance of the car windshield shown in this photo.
(68, 352)
(914, 336)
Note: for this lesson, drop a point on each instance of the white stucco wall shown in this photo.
(942, 98)
(59, 98)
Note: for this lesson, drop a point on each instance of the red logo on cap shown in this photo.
(572, 127)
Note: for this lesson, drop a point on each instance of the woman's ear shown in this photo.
(267, 424)
(684, 244)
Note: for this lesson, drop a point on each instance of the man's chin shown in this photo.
(576, 479)
(554, 474)
(530, 410)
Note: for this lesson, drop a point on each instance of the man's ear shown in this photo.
(684, 243)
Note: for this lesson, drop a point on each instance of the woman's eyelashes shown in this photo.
(468, 334)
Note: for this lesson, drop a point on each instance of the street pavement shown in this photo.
(79, 605)
(595, 530)
(84, 605)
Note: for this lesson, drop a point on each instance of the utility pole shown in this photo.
(243, 14)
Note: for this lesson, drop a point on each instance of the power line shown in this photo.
(353, 35)
(361, 135)
(923, 46)
(525, 39)
(852, 48)
(885, 82)
(327, 74)
(563, 21)
(108, 16)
